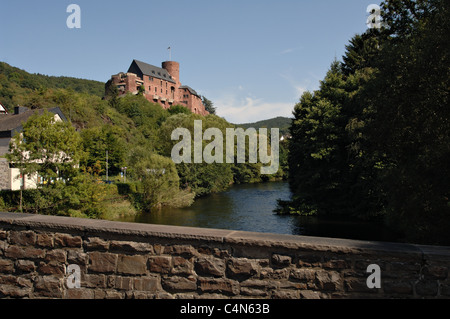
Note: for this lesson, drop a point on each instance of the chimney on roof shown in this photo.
(20, 110)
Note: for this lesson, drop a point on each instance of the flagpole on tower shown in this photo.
(170, 53)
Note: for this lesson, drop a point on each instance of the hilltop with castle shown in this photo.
(159, 85)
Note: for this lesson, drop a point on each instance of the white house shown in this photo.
(11, 124)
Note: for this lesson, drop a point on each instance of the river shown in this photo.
(249, 207)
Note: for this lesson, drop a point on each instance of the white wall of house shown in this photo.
(30, 182)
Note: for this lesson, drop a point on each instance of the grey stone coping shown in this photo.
(278, 241)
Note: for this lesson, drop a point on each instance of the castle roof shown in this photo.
(141, 68)
(190, 90)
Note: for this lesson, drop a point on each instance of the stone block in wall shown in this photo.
(102, 262)
(309, 259)
(56, 255)
(427, 288)
(77, 257)
(3, 245)
(286, 294)
(309, 294)
(52, 268)
(281, 261)
(10, 291)
(328, 280)
(66, 240)
(25, 266)
(178, 284)
(44, 240)
(93, 280)
(337, 264)
(132, 265)
(16, 252)
(254, 292)
(81, 293)
(48, 286)
(130, 247)
(147, 284)
(358, 285)
(269, 273)
(6, 266)
(23, 238)
(210, 266)
(8, 279)
(182, 266)
(120, 282)
(95, 243)
(241, 268)
(258, 288)
(303, 274)
(218, 285)
(436, 272)
(160, 264)
(186, 251)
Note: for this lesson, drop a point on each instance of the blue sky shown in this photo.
(252, 58)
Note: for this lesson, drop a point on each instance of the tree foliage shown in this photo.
(373, 140)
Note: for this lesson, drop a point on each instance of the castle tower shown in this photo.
(174, 70)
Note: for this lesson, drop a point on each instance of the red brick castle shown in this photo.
(161, 85)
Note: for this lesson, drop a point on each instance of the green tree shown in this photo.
(316, 149)
(46, 148)
(410, 122)
(209, 105)
(101, 139)
(160, 183)
(201, 178)
(177, 109)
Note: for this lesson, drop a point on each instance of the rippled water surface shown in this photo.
(250, 207)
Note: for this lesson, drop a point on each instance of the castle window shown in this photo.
(156, 89)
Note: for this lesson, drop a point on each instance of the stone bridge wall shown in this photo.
(124, 260)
